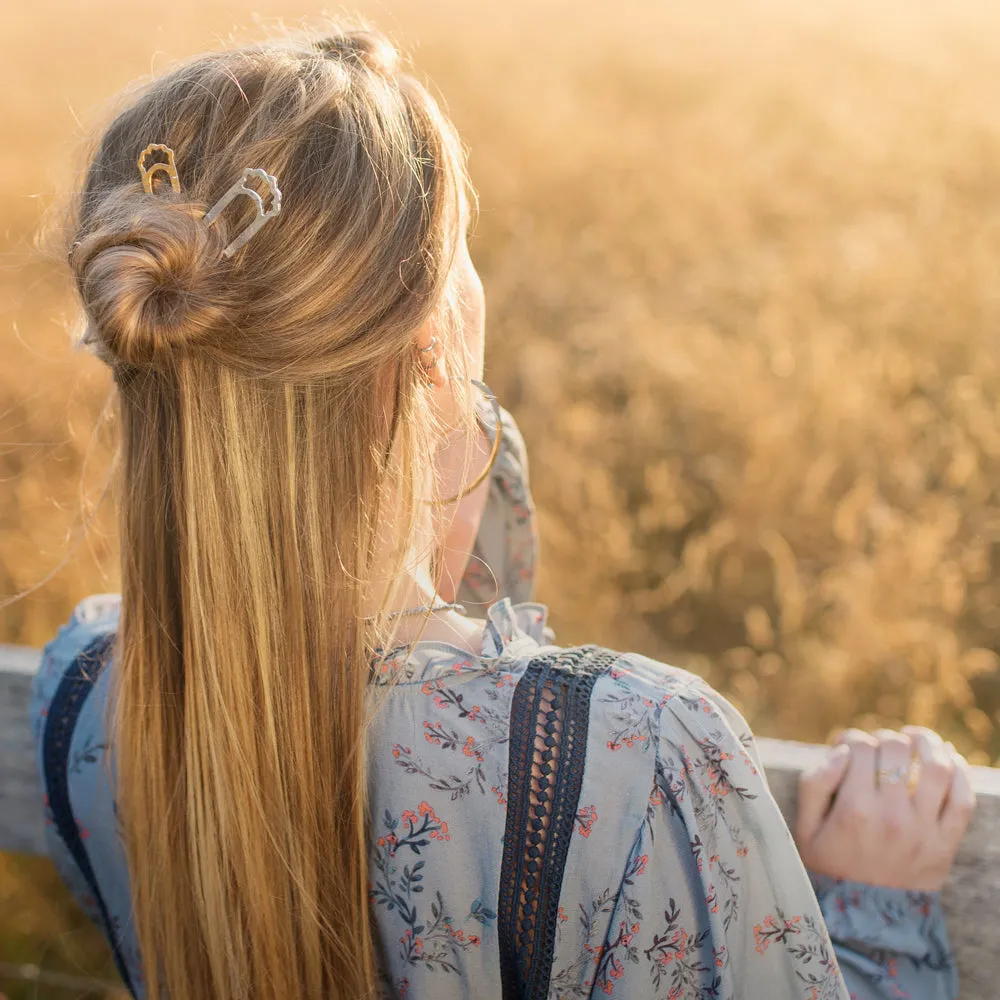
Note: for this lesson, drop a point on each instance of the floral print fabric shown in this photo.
(681, 879)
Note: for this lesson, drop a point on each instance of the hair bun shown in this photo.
(152, 279)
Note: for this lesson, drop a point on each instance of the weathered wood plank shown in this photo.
(971, 898)
(20, 795)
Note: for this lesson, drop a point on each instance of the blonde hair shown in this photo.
(257, 460)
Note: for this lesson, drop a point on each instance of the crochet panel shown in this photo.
(548, 745)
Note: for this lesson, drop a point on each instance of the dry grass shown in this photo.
(742, 268)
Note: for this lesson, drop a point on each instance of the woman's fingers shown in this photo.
(894, 758)
(873, 833)
(816, 788)
(935, 772)
(960, 804)
(858, 787)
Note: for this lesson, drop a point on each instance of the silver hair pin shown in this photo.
(263, 215)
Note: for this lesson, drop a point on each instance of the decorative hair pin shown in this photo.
(263, 215)
(169, 168)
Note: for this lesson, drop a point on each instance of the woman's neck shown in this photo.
(416, 590)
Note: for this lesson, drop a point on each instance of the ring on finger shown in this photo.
(892, 775)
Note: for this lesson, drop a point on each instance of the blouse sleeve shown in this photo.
(506, 549)
(67, 711)
(891, 943)
(83, 626)
(743, 920)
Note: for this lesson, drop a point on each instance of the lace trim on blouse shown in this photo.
(549, 723)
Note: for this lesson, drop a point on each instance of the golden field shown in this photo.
(742, 262)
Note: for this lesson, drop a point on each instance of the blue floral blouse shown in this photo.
(547, 822)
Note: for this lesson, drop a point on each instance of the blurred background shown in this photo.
(741, 261)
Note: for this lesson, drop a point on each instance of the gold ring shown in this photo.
(892, 775)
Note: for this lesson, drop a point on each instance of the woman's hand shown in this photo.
(886, 808)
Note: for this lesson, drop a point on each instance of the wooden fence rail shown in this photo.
(971, 898)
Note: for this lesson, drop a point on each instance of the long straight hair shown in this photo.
(257, 462)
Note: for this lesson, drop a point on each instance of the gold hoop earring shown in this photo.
(494, 452)
(431, 349)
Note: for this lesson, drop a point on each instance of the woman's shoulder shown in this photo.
(692, 702)
(72, 660)
(660, 723)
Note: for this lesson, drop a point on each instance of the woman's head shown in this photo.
(274, 415)
(359, 256)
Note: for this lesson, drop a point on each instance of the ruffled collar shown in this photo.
(512, 630)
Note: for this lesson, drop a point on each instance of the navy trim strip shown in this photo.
(64, 711)
(549, 723)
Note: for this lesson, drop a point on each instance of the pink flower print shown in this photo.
(760, 933)
(681, 943)
(586, 817)
(767, 931)
(408, 940)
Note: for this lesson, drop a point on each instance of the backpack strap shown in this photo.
(64, 711)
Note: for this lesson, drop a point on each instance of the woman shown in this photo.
(284, 763)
